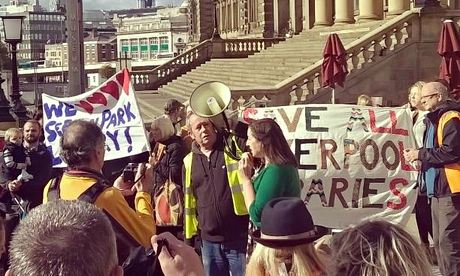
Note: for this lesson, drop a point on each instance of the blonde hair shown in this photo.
(9, 133)
(165, 126)
(377, 248)
(267, 261)
(419, 85)
(364, 100)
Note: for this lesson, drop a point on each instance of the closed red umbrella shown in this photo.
(334, 69)
(449, 50)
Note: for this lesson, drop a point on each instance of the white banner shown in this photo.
(351, 160)
(112, 106)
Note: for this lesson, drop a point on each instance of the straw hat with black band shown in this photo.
(286, 222)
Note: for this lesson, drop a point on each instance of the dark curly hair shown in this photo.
(79, 140)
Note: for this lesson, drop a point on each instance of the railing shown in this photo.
(215, 48)
(235, 48)
(153, 79)
(305, 84)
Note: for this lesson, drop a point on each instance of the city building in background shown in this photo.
(99, 21)
(40, 28)
(97, 48)
(141, 4)
(162, 34)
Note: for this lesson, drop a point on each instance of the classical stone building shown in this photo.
(276, 18)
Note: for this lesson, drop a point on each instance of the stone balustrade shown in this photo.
(305, 85)
(153, 79)
(233, 48)
(217, 48)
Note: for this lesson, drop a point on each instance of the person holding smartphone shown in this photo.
(82, 148)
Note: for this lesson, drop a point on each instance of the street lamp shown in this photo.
(12, 27)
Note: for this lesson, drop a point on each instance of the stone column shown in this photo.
(308, 14)
(221, 16)
(370, 10)
(77, 74)
(456, 4)
(344, 11)
(232, 23)
(396, 7)
(323, 12)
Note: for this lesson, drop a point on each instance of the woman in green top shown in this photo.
(279, 177)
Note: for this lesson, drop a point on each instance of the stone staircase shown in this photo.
(264, 69)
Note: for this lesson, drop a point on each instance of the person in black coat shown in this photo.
(168, 154)
(168, 151)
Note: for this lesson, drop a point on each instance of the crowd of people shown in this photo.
(90, 219)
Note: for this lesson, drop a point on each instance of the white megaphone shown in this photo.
(210, 100)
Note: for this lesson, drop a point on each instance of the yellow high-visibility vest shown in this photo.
(452, 170)
(191, 222)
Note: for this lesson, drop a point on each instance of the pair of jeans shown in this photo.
(423, 218)
(223, 258)
(446, 233)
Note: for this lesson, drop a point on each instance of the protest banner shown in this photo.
(351, 161)
(112, 106)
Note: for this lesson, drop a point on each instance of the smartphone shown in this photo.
(129, 173)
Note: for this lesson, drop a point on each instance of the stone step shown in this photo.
(176, 92)
(274, 60)
(249, 69)
(241, 80)
(356, 27)
(258, 61)
(150, 104)
(190, 82)
(268, 67)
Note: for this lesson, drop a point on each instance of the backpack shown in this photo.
(168, 197)
(169, 204)
(135, 259)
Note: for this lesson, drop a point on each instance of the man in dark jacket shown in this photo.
(40, 168)
(440, 159)
(214, 202)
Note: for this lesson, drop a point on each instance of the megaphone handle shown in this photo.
(227, 125)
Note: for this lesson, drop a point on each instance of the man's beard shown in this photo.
(32, 140)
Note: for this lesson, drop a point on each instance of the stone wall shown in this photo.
(391, 76)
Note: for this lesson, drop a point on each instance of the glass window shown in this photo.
(134, 45)
(124, 45)
(153, 45)
(164, 24)
(164, 44)
(144, 44)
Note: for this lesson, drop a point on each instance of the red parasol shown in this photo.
(449, 50)
(334, 69)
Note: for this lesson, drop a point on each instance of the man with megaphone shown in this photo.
(214, 203)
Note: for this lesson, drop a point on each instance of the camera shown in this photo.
(129, 173)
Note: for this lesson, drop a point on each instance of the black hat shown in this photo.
(286, 222)
(172, 105)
